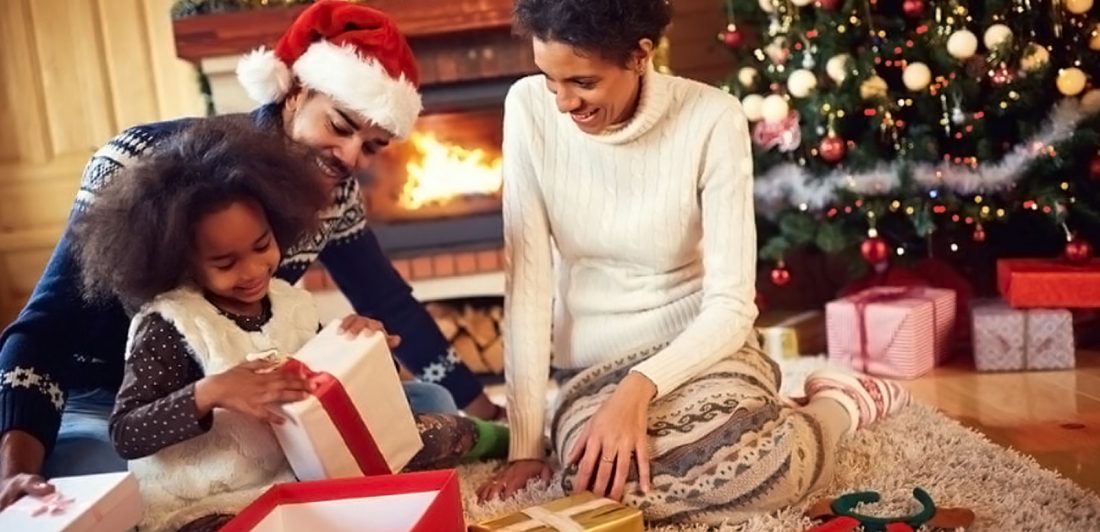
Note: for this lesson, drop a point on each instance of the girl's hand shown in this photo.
(512, 478)
(613, 438)
(250, 388)
(355, 324)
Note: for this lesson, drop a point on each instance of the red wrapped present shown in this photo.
(415, 502)
(900, 332)
(357, 420)
(1049, 283)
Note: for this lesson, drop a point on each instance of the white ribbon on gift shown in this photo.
(562, 520)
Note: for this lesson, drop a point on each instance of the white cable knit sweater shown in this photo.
(653, 225)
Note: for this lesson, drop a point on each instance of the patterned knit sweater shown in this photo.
(60, 343)
(654, 230)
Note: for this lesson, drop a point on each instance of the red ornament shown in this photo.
(1094, 168)
(913, 8)
(979, 234)
(732, 37)
(832, 148)
(874, 250)
(829, 5)
(1078, 251)
(781, 276)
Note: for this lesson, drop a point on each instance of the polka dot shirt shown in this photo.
(156, 403)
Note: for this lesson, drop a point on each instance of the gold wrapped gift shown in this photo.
(792, 334)
(583, 512)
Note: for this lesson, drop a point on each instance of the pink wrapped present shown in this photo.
(1007, 339)
(900, 332)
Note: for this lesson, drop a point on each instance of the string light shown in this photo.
(954, 247)
(977, 199)
(803, 207)
(1065, 186)
(901, 251)
(910, 210)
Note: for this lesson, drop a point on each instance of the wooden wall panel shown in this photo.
(694, 48)
(72, 74)
(21, 136)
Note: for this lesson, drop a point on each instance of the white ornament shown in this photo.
(1034, 58)
(962, 44)
(802, 3)
(958, 116)
(1090, 102)
(1078, 7)
(996, 36)
(801, 83)
(753, 105)
(768, 6)
(916, 76)
(808, 61)
(1071, 81)
(775, 108)
(747, 76)
(837, 67)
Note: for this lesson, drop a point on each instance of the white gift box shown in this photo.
(109, 502)
(357, 421)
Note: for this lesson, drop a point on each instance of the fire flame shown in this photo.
(439, 173)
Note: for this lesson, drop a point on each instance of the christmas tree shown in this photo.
(891, 129)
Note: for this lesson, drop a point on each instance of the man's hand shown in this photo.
(21, 458)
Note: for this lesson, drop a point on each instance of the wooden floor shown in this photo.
(1053, 416)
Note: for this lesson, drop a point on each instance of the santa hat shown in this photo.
(353, 53)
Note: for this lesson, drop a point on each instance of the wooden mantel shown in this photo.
(230, 34)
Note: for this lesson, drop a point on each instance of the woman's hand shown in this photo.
(612, 438)
(512, 478)
(250, 388)
(355, 324)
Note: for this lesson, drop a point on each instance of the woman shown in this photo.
(642, 183)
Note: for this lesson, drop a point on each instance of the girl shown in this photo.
(192, 238)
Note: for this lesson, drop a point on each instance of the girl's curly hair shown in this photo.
(136, 238)
(609, 28)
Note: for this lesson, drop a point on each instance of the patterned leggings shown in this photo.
(722, 445)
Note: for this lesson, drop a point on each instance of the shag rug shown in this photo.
(919, 447)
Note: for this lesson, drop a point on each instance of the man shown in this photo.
(343, 81)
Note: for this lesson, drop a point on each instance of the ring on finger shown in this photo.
(608, 459)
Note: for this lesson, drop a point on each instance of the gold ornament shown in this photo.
(1090, 102)
(996, 36)
(1071, 81)
(837, 67)
(775, 108)
(801, 83)
(962, 44)
(1034, 58)
(753, 105)
(748, 76)
(1094, 38)
(1078, 7)
(916, 76)
(873, 88)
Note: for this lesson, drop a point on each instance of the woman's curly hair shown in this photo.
(136, 238)
(610, 28)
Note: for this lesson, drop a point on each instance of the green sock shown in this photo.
(492, 441)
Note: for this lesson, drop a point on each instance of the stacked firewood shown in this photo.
(474, 332)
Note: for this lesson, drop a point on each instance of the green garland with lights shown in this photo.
(919, 88)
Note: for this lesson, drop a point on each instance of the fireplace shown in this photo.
(434, 200)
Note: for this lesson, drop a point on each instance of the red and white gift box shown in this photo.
(357, 420)
(109, 502)
(416, 502)
(1007, 339)
(899, 332)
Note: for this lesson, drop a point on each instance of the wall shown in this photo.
(694, 48)
(72, 74)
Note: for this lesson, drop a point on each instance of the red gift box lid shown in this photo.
(418, 502)
(1049, 283)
